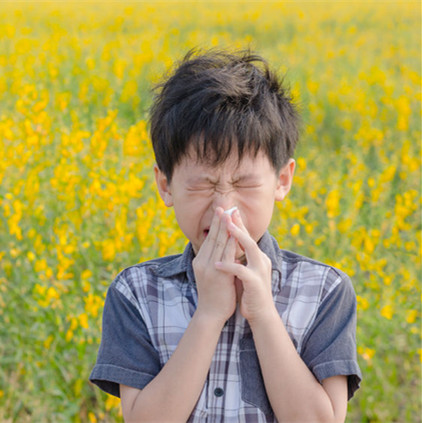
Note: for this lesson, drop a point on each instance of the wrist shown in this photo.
(208, 319)
(266, 318)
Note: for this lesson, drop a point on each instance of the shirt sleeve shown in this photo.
(330, 345)
(126, 354)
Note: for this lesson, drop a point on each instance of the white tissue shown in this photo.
(230, 211)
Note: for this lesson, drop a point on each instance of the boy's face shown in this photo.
(197, 189)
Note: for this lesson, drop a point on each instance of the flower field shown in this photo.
(78, 201)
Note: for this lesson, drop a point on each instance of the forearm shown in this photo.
(173, 393)
(294, 393)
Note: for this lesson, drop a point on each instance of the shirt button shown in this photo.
(218, 392)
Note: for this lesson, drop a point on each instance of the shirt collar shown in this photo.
(269, 246)
(182, 263)
(178, 265)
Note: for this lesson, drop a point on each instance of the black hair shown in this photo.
(216, 101)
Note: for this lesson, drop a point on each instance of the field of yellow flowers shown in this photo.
(78, 203)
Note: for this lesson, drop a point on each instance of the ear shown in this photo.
(163, 186)
(285, 179)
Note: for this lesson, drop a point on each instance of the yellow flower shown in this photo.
(411, 316)
(83, 320)
(332, 203)
(387, 280)
(112, 402)
(73, 323)
(86, 286)
(92, 304)
(69, 335)
(387, 311)
(52, 294)
(367, 353)
(404, 111)
(369, 245)
(40, 265)
(109, 250)
(86, 274)
(301, 163)
(345, 225)
(363, 303)
(48, 341)
(295, 229)
(40, 289)
(309, 227)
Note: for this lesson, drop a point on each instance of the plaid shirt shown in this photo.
(149, 306)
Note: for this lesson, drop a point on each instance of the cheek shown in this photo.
(256, 216)
(184, 214)
(189, 214)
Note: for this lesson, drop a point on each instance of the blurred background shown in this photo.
(78, 203)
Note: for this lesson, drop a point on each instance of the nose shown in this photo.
(224, 199)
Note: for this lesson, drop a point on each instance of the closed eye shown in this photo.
(200, 188)
(247, 182)
(247, 186)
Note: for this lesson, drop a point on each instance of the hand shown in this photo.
(216, 289)
(256, 300)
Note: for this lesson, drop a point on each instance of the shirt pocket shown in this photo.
(252, 384)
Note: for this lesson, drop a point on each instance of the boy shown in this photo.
(234, 329)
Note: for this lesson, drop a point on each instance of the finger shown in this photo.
(208, 245)
(238, 270)
(215, 224)
(221, 238)
(230, 251)
(237, 220)
(250, 247)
